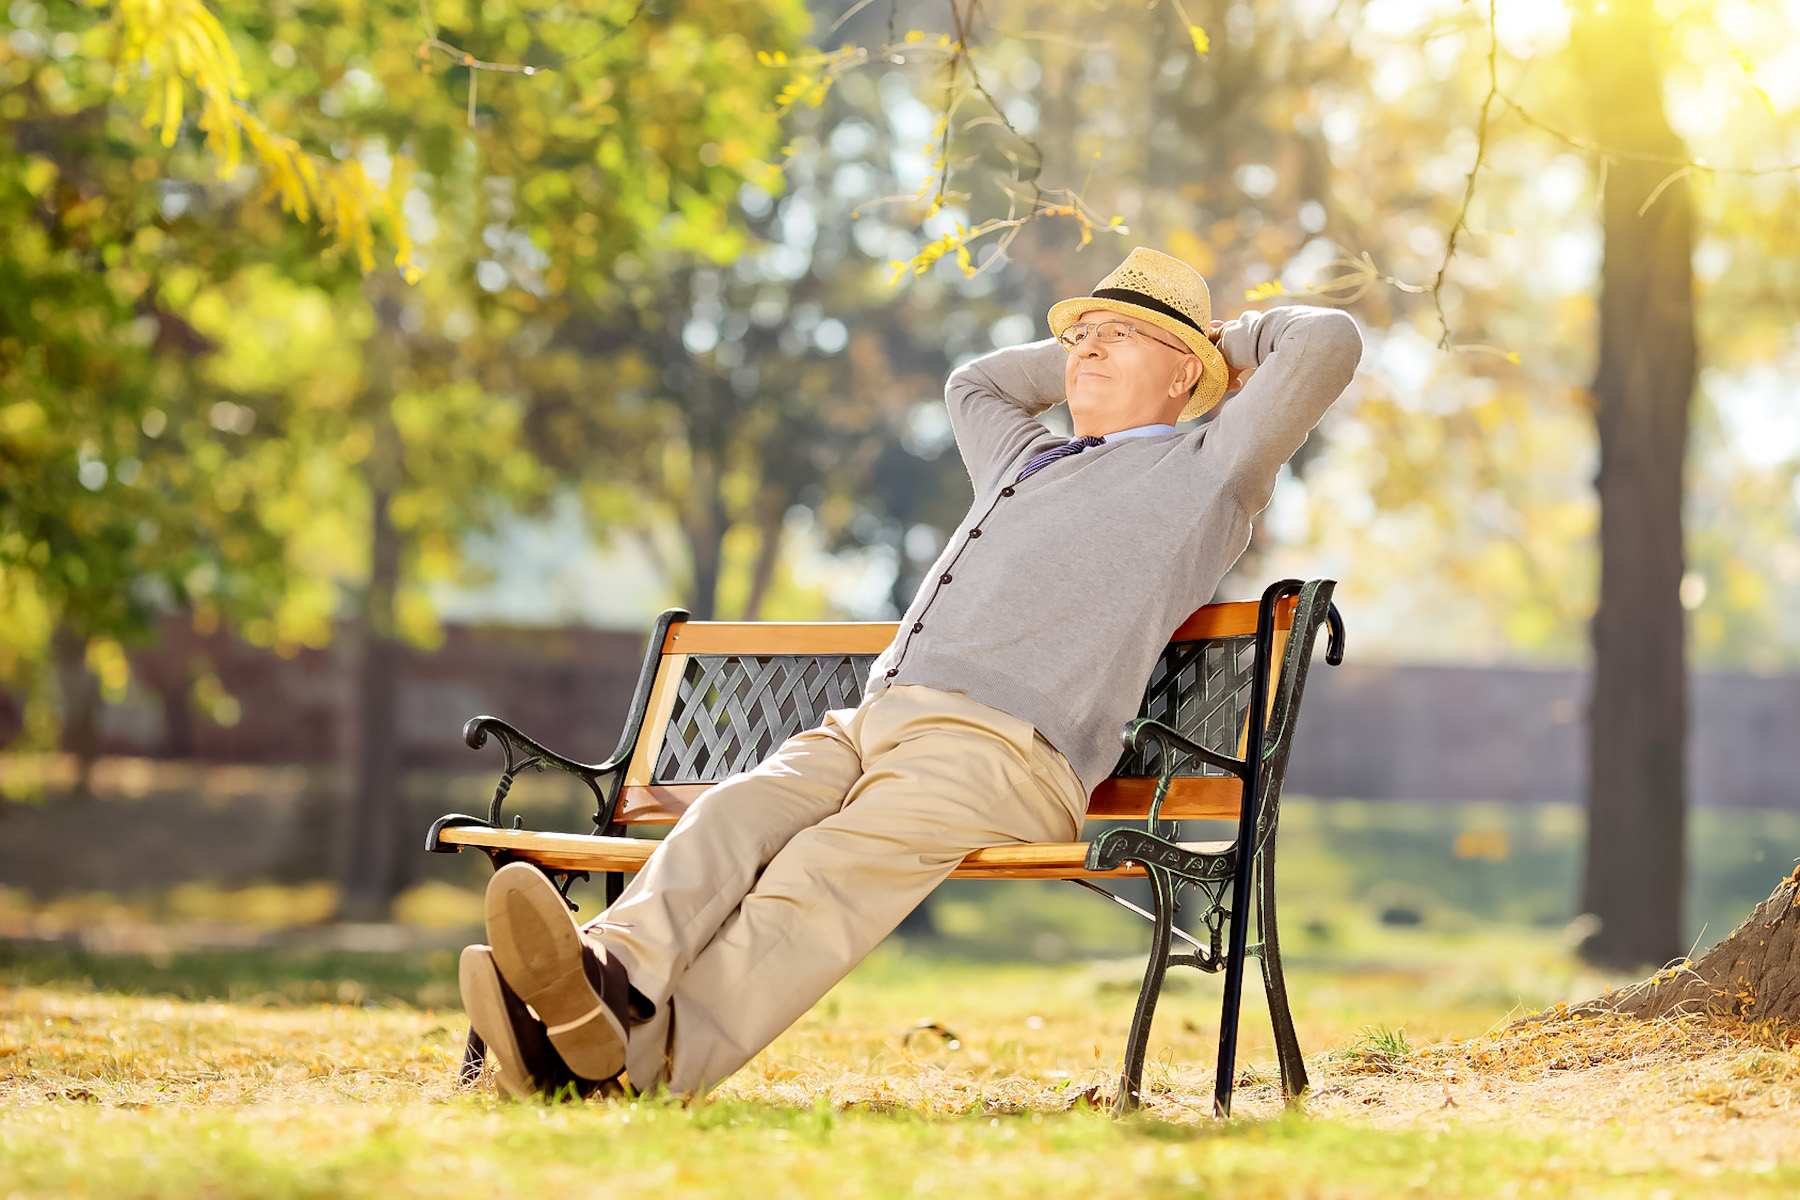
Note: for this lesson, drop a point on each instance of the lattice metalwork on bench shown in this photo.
(731, 711)
(1202, 690)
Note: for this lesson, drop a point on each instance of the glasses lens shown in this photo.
(1105, 331)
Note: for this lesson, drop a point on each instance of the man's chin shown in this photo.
(1087, 405)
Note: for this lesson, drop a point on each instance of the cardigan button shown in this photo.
(918, 626)
(1006, 491)
(892, 671)
(944, 578)
(975, 533)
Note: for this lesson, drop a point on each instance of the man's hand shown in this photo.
(1237, 378)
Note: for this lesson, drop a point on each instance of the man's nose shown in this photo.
(1091, 346)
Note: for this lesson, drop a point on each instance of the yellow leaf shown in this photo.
(171, 118)
(1264, 291)
(1201, 42)
(40, 173)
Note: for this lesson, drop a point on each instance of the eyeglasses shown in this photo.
(1109, 333)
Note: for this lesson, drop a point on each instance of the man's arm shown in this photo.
(1304, 358)
(994, 402)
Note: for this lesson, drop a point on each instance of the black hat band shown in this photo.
(1144, 300)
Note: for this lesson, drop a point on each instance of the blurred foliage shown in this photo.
(1322, 152)
(202, 405)
(653, 272)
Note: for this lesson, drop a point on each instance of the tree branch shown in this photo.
(433, 44)
(1364, 274)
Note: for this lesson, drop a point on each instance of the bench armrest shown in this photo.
(1137, 733)
(1144, 730)
(523, 749)
(525, 753)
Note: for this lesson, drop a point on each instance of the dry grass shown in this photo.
(1691, 1094)
(137, 1095)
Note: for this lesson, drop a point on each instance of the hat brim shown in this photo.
(1214, 373)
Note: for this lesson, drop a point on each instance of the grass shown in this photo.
(223, 1075)
(253, 978)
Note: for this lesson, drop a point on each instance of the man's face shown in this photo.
(1120, 385)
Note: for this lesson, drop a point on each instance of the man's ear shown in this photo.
(1186, 376)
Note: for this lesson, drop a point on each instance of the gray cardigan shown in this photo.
(1054, 597)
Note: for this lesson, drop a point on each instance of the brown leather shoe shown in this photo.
(528, 1064)
(581, 995)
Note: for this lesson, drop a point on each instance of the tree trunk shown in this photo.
(1637, 716)
(373, 870)
(704, 524)
(1753, 974)
(772, 508)
(81, 708)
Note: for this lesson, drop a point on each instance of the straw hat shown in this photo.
(1165, 292)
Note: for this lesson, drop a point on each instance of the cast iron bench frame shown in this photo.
(714, 698)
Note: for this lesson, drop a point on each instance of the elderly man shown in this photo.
(989, 720)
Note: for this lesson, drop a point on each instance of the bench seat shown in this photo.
(589, 852)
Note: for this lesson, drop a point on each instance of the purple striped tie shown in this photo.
(1038, 462)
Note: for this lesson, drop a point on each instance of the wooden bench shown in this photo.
(715, 698)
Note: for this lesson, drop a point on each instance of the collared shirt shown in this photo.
(1139, 431)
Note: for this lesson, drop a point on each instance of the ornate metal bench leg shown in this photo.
(1287, 1044)
(615, 885)
(1137, 1043)
(474, 1058)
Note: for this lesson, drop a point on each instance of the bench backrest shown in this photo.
(726, 694)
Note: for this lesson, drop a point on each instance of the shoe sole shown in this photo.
(479, 981)
(537, 948)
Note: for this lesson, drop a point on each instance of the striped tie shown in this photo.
(1038, 462)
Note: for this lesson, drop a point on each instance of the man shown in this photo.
(989, 720)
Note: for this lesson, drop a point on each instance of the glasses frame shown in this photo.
(1093, 330)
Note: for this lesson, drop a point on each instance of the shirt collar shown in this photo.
(1140, 431)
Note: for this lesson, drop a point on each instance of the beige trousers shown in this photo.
(779, 880)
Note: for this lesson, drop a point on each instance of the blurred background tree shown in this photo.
(623, 302)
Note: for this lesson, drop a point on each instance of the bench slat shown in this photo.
(580, 852)
(1234, 619)
(1190, 798)
(779, 637)
(1198, 798)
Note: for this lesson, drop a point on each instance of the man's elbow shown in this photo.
(1336, 340)
(964, 392)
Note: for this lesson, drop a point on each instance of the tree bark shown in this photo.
(772, 508)
(81, 708)
(1637, 716)
(380, 846)
(374, 873)
(1754, 974)
(704, 524)
(374, 870)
